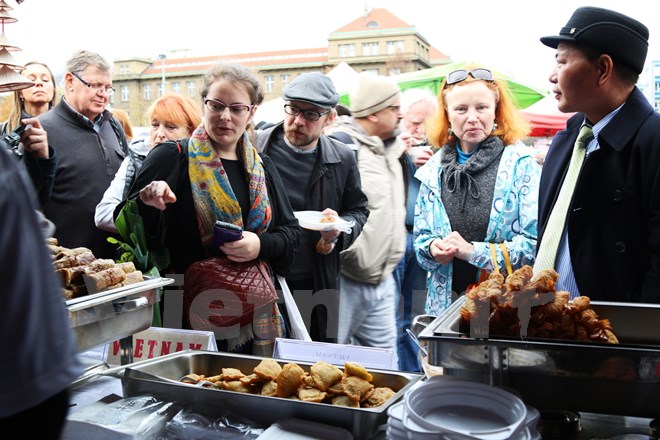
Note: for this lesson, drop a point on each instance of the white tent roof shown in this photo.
(343, 77)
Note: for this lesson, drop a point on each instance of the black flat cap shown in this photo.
(314, 88)
(623, 38)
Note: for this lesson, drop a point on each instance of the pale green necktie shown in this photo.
(547, 252)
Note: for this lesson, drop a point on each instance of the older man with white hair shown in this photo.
(90, 146)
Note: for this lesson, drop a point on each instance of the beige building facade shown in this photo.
(378, 42)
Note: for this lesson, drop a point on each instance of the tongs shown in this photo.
(417, 342)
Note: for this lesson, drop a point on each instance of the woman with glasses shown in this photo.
(171, 117)
(481, 187)
(183, 188)
(35, 154)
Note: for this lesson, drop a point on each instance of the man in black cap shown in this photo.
(599, 200)
(320, 174)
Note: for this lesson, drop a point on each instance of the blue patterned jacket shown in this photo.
(513, 221)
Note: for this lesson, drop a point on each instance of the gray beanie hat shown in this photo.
(314, 88)
(372, 94)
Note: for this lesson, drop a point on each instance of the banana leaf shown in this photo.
(130, 226)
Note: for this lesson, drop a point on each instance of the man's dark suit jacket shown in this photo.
(614, 217)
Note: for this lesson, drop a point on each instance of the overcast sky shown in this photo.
(503, 34)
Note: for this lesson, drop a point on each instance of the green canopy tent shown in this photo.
(432, 78)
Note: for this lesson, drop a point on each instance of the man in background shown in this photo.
(417, 105)
(320, 174)
(90, 146)
(367, 298)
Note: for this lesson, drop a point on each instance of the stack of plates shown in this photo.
(445, 408)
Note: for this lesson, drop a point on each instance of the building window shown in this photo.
(346, 50)
(124, 93)
(369, 49)
(395, 71)
(146, 89)
(284, 79)
(269, 83)
(395, 46)
(371, 71)
(161, 89)
(176, 87)
(190, 85)
(124, 69)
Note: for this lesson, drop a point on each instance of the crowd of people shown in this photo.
(438, 190)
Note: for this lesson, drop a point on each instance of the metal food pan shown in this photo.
(633, 324)
(108, 316)
(159, 377)
(620, 379)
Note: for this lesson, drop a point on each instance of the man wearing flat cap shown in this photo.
(320, 174)
(599, 199)
(368, 290)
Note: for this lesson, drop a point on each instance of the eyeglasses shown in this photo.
(216, 106)
(461, 75)
(96, 87)
(310, 115)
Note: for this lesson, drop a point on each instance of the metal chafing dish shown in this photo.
(115, 314)
(620, 379)
(159, 377)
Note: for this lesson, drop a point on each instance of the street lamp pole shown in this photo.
(162, 65)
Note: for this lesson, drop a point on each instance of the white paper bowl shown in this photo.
(463, 410)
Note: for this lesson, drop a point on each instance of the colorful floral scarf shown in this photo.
(212, 194)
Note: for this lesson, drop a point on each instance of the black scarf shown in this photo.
(469, 216)
(461, 180)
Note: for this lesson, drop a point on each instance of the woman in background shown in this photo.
(171, 117)
(36, 156)
(122, 117)
(480, 188)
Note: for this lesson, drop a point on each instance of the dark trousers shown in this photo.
(44, 421)
(319, 325)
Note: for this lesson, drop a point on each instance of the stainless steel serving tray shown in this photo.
(621, 379)
(108, 316)
(159, 377)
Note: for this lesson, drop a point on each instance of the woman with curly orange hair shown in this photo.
(481, 187)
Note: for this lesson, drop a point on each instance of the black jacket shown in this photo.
(176, 227)
(335, 183)
(614, 217)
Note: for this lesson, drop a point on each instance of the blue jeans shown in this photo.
(366, 313)
(410, 279)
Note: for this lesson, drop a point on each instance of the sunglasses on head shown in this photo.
(461, 75)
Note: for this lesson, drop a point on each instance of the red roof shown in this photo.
(376, 19)
(246, 59)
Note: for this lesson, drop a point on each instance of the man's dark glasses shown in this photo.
(461, 75)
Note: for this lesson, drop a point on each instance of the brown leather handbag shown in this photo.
(218, 292)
